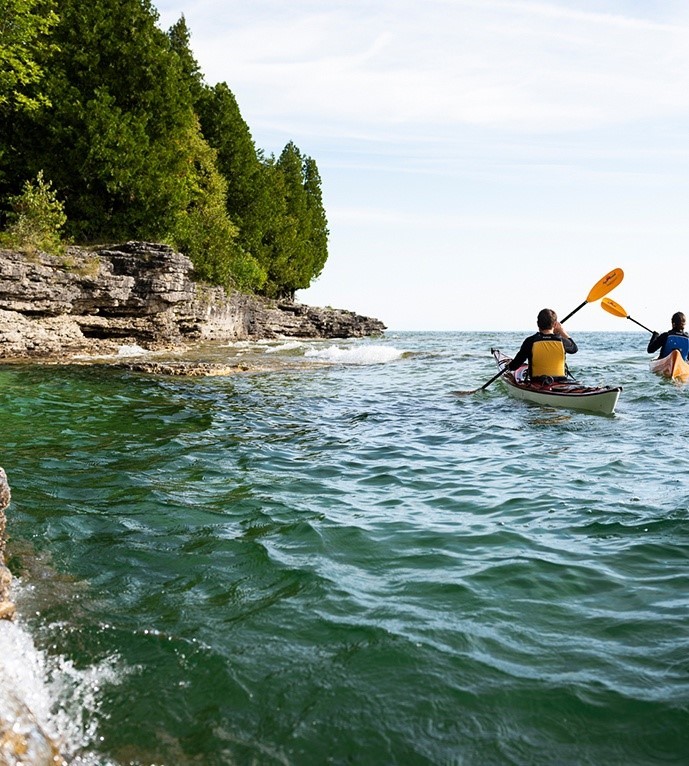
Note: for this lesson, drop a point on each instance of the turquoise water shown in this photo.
(338, 561)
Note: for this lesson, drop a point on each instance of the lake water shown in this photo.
(337, 561)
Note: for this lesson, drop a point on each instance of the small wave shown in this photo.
(356, 355)
(47, 705)
(131, 350)
(282, 348)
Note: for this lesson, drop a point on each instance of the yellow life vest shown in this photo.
(548, 359)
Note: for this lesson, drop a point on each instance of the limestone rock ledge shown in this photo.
(94, 301)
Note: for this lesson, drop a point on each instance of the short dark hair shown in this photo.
(678, 320)
(546, 319)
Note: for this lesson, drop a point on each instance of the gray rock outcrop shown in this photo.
(140, 293)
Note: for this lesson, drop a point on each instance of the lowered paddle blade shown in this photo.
(609, 305)
(484, 386)
(614, 308)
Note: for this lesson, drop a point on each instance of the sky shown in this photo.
(480, 159)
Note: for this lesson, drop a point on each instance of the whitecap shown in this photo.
(289, 346)
(369, 354)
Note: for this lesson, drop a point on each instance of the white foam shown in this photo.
(290, 346)
(132, 350)
(368, 354)
(46, 700)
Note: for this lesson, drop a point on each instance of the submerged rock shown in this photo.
(94, 301)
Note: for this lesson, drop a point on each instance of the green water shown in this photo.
(340, 562)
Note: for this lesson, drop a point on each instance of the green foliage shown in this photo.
(227, 132)
(24, 25)
(36, 219)
(180, 43)
(204, 231)
(139, 147)
(296, 234)
(111, 142)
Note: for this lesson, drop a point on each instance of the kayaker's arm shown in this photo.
(570, 346)
(656, 342)
(522, 356)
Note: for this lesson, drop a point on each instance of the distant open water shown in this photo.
(340, 562)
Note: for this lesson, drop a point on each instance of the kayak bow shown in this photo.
(569, 394)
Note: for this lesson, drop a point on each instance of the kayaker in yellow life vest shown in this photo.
(674, 338)
(545, 350)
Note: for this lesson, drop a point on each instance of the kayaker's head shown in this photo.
(678, 321)
(546, 319)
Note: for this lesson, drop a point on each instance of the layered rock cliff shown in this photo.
(93, 301)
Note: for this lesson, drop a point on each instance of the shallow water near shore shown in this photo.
(338, 561)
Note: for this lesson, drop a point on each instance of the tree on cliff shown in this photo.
(227, 132)
(122, 143)
(137, 146)
(24, 26)
(297, 234)
(277, 206)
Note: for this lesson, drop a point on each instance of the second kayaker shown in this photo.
(545, 350)
(674, 338)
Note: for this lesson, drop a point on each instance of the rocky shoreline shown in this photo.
(92, 302)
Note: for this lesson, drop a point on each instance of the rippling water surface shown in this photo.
(338, 561)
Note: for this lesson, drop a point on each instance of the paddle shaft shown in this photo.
(492, 380)
(572, 313)
(641, 325)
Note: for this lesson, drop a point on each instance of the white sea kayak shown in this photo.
(569, 394)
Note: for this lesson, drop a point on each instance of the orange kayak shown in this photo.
(672, 366)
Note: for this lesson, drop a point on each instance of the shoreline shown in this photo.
(93, 302)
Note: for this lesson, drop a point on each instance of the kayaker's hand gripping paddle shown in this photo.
(614, 308)
(602, 287)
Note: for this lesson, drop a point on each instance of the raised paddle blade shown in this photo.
(602, 287)
(609, 305)
(608, 283)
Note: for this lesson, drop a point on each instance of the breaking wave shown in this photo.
(373, 354)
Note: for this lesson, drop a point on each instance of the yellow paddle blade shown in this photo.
(605, 285)
(614, 308)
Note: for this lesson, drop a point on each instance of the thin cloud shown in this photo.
(514, 65)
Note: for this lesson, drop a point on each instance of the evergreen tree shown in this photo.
(204, 231)
(297, 231)
(180, 42)
(318, 223)
(227, 132)
(110, 142)
(137, 146)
